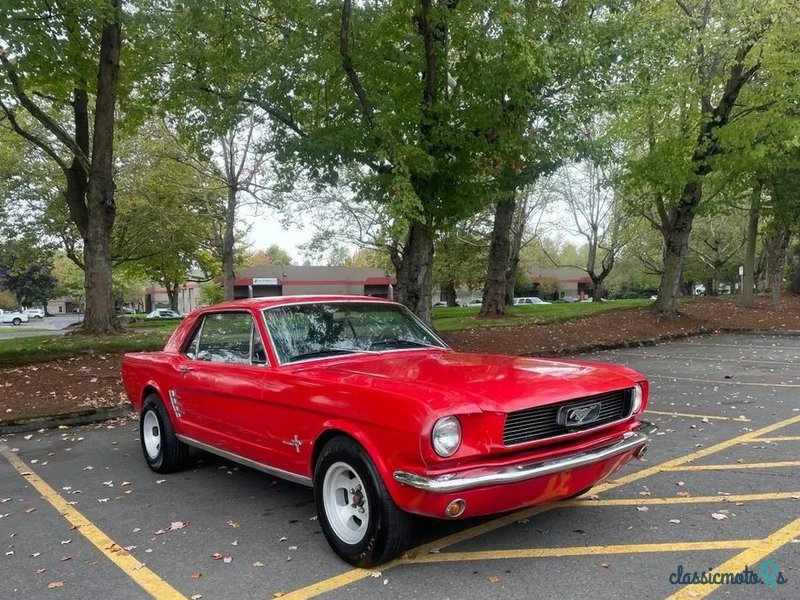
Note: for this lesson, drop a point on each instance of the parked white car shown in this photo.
(14, 317)
(476, 302)
(164, 313)
(529, 300)
(35, 313)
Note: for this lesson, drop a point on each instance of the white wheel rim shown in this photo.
(151, 434)
(346, 503)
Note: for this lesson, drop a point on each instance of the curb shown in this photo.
(72, 418)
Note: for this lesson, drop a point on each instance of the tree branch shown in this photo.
(347, 63)
(36, 141)
(38, 114)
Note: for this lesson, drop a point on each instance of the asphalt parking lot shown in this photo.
(82, 516)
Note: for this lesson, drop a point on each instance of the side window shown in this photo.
(259, 353)
(225, 338)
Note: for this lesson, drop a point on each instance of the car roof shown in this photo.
(272, 301)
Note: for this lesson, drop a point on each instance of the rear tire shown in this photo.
(16, 321)
(360, 520)
(163, 451)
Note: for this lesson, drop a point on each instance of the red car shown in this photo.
(359, 399)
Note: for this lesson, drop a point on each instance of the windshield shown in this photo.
(304, 331)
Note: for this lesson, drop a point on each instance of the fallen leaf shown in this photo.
(605, 565)
(493, 579)
(216, 556)
(227, 559)
(235, 525)
(718, 516)
(55, 584)
(196, 575)
(258, 563)
(63, 542)
(175, 525)
(642, 508)
(376, 574)
(674, 520)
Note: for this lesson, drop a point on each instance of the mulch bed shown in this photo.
(91, 380)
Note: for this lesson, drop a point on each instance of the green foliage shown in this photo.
(211, 293)
(272, 255)
(69, 277)
(8, 301)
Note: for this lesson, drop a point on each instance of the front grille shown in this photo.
(541, 422)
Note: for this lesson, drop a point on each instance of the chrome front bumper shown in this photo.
(480, 477)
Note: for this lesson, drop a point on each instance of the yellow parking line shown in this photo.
(694, 416)
(783, 438)
(348, 577)
(685, 499)
(147, 579)
(727, 382)
(736, 467)
(749, 558)
(583, 551)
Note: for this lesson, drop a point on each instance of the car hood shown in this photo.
(495, 383)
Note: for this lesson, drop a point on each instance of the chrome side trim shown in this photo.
(480, 477)
(289, 476)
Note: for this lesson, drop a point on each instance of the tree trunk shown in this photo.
(676, 243)
(101, 208)
(776, 245)
(517, 234)
(597, 292)
(227, 245)
(172, 295)
(449, 293)
(494, 288)
(414, 276)
(748, 279)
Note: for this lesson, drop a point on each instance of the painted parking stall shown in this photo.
(728, 446)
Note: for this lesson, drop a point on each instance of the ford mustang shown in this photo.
(360, 400)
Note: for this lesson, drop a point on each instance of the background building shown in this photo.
(284, 280)
(558, 283)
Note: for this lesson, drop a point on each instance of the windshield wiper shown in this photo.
(402, 344)
(321, 353)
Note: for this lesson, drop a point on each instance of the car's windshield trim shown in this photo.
(416, 319)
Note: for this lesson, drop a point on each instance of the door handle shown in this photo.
(184, 369)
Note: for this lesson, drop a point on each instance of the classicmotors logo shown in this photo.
(768, 573)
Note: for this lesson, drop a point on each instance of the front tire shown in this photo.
(360, 520)
(163, 451)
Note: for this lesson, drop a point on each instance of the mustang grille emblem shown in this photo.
(572, 416)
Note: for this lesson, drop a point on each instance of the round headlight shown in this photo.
(638, 397)
(446, 436)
